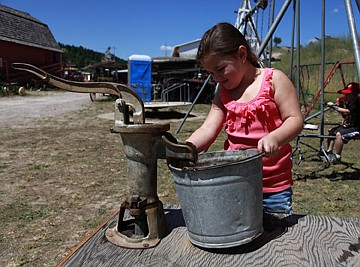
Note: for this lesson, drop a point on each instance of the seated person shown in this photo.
(349, 129)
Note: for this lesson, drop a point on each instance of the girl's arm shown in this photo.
(288, 104)
(204, 136)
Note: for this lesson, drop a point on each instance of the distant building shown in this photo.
(186, 50)
(25, 39)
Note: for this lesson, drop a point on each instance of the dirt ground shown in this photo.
(50, 196)
(62, 173)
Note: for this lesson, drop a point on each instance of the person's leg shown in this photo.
(331, 141)
(279, 202)
(340, 139)
(343, 136)
(330, 145)
(339, 144)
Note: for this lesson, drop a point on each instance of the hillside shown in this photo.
(80, 56)
(336, 50)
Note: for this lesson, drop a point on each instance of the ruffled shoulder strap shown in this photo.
(266, 85)
(267, 80)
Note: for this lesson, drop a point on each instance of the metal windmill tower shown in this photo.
(246, 24)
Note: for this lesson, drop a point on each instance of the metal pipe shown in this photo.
(358, 4)
(316, 114)
(292, 44)
(353, 32)
(258, 39)
(322, 71)
(298, 47)
(273, 27)
(271, 43)
(317, 136)
(193, 104)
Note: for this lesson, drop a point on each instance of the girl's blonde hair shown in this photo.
(225, 39)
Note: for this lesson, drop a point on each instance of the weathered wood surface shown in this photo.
(295, 241)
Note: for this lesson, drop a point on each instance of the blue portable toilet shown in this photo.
(139, 76)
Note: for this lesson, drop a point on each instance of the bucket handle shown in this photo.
(259, 154)
(262, 153)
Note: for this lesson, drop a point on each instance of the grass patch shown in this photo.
(21, 213)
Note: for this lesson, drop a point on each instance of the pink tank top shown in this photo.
(247, 123)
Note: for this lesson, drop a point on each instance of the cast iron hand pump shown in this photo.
(144, 143)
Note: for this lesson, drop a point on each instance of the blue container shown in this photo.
(139, 76)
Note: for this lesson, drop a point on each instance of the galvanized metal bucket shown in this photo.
(221, 198)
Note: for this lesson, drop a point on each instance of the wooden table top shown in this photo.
(298, 240)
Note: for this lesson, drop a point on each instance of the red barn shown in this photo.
(25, 39)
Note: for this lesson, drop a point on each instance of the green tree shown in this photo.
(277, 40)
(81, 56)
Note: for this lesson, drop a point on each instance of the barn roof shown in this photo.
(20, 27)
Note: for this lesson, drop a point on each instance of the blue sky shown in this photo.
(143, 26)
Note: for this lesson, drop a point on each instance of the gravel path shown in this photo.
(22, 109)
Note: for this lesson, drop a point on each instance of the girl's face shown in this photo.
(227, 70)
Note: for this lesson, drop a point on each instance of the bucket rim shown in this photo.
(200, 168)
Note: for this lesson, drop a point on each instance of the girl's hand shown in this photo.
(269, 145)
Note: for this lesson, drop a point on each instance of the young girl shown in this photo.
(259, 108)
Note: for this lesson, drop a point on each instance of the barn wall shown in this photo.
(13, 52)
